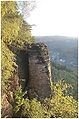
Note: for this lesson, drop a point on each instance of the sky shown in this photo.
(55, 17)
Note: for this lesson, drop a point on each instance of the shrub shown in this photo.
(59, 105)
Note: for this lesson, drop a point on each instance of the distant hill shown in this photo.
(63, 50)
(45, 38)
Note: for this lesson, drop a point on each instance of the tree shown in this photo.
(25, 7)
(14, 29)
(12, 24)
(61, 104)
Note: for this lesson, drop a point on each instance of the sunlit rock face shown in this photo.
(39, 71)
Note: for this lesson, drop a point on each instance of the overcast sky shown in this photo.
(56, 17)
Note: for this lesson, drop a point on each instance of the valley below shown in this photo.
(62, 50)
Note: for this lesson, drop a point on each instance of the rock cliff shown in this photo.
(34, 70)
(39, 71)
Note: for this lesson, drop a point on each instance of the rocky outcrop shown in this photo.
(34, 69)
(7, 95)
(6, 110)
(39, 71)
(33, 72)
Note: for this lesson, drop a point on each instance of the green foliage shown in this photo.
(71, 77)
(10, 22)
(18, 102)
(62, 105)
(59, 105)
(25, 107)
(13, 30)
(9, 30)
(36, 109)
(8, 7)
(24, 35)
(7, 62)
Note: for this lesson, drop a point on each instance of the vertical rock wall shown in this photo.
(39, 71)
(34, 69)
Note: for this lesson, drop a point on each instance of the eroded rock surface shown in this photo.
(39, 71)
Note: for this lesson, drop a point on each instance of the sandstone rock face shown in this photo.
(7, 95)
(34, 70)
(6, 111)
(39, 71)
